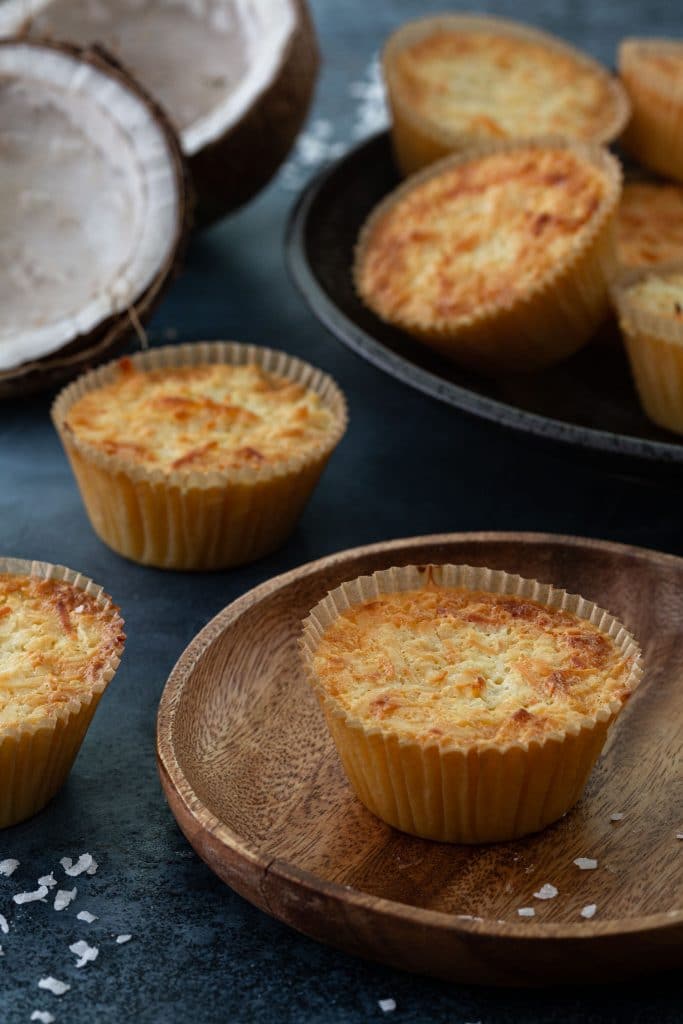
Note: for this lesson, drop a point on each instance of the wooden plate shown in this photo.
(256, 786)
(587, 403)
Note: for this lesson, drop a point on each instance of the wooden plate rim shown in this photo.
(646, 452)
(173, 778)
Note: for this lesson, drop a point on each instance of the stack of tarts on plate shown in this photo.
(505, 246)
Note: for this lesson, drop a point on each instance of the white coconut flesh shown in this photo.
(206, 61)
(89, 200)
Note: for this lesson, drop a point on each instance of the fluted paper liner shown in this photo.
(460, 792)
(36, 757)
(550, 320)
(654, 343)
(198, 520)
(419, 140)
(654, 135)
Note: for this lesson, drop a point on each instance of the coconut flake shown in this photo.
(54, 985)
(679, 835)
(83, 863)
(589, 910)
(526, 912)
(85, 915)
(85, 953)
(4, 927)
(93, 867)
(44, 1016)
(8, 866)
(30, 897)
(123, 938)
(387, 1005)
(586, 863)
(617, 816)
(64, 897)
(49, 880)
(546, 892)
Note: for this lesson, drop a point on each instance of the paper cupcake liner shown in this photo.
(654, 345)
(458, 792)
(36, 757)
(194, 520)
(654, 135)
(419, 141)
(555, 317)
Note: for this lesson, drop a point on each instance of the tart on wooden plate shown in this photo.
(467, 705)
(61, 640)
(200, 456)
(454, 81)
(498, 258)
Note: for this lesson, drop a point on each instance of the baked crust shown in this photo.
(650, 224)
(494, 85)
(462, 666)
(205, 418)
(656, 294)
(652, 73)
(454, 81)
(500, 257)
(56, 643)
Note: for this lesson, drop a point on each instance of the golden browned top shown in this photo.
(650, 224)
(441, 664)
(498, 85)
(657, 294)
(477, 234)
(55, 642)
(201, 418)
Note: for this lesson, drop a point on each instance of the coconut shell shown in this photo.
(113, 333)
(230, 171)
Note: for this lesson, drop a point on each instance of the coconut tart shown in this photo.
(202, 455)
(463, 713)
(650, 224)
(456, 80)
(235, 78)
(499, 257)
(61, 640)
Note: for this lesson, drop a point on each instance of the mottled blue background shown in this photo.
(407, 466)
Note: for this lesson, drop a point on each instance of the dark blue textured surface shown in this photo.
(407, 466)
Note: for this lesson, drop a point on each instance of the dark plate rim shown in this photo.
(374, 351)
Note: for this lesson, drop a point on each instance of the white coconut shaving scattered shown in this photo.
(546, 892)
(8, 866)
(617, 816)
(54, 985)
(79, 609)
(586, 863)
(86, 954)
(526, 912)
(85, 915)
(319, 144)
(64, 897)
(679, 835)
(387, 1005)
(49, 880)
(589, 910)
(123, 938)
(4, 927)
(84, 863)
(30, 897)
(44, 1016)
(93, 867)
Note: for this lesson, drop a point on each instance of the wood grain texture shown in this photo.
(255, 783)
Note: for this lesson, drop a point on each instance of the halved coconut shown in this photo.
(93, 208)
(235, 76)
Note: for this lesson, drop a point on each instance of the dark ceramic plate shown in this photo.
(587, 403)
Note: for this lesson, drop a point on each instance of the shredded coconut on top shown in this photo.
(546, 892)
(8, 866)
